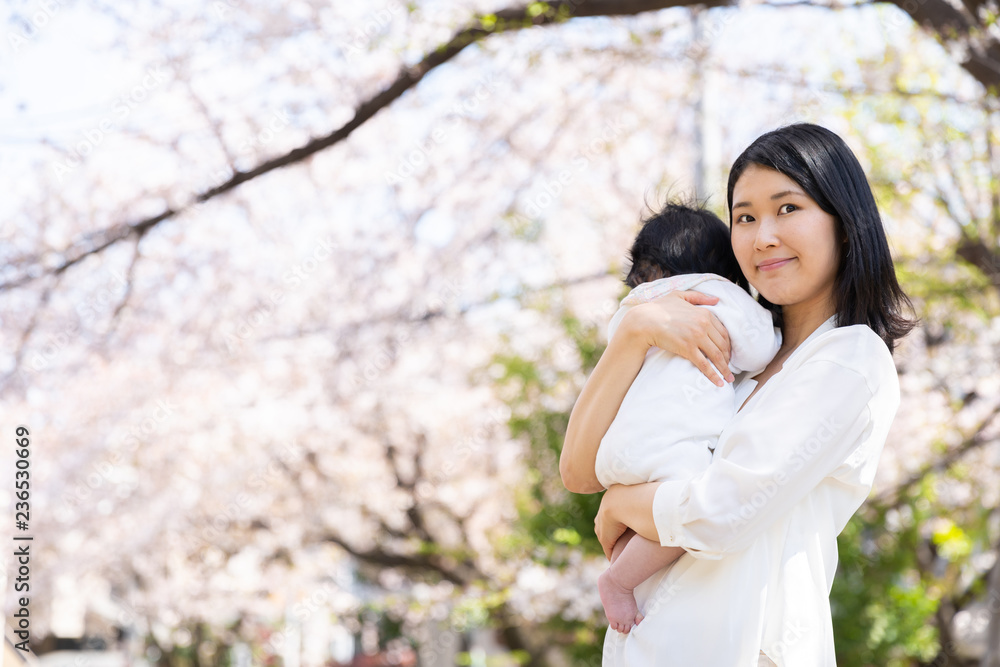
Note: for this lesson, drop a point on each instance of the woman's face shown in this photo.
(788, 247)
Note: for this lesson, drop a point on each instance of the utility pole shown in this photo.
(699, 51)
(707, 141)
(991, 658)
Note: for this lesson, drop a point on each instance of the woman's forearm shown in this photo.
(626, 507)
(633, 506)
(596, 408)
(671, 323)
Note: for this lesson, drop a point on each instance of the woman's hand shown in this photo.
(608, 528)
(675, 323)
(626, 506)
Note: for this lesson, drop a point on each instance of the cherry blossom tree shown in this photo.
(296, 315)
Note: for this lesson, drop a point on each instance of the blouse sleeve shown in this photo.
(768, 460)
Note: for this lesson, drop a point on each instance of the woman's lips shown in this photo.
(773, 264)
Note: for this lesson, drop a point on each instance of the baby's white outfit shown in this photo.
(671, 417)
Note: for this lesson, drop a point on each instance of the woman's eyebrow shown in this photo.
(784, 193)
(776, 195)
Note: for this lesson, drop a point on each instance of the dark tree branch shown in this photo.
(986, 259)
(26, 334)
(957, 27)
(951, 24)
(129, 279)
(515, 18)
(380, 558)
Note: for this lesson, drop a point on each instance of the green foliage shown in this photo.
(897, 564)
(553, 523)
(882, 606)
(905, 567)
(551, 518)
(948, 283)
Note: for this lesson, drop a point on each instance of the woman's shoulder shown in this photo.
(855, 348)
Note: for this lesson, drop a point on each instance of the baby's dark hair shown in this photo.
(683, 238)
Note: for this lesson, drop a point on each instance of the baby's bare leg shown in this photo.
(620, 544)
(637, 561)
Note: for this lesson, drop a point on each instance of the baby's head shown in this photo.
(682, 239)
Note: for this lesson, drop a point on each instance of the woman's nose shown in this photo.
(767, 236)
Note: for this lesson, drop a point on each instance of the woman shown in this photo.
(760, 524)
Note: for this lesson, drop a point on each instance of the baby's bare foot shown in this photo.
(619, 603)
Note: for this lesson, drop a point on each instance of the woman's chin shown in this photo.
(778, 299)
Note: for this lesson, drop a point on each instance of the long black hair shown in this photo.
(866, 290)
(683, 238)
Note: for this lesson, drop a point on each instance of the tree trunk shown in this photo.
(991, 658)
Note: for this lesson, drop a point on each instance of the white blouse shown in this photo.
(760, 524)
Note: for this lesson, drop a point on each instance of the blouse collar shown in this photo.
(828, 325)
(745, 385)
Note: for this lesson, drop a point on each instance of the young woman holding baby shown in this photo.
(759, 526)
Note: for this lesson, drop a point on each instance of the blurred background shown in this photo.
(297, 296)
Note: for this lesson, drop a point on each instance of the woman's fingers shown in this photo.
(707, 366)
(675, 324)
(720, 337)
(607, 529)
(698, 299)
(713, 348)
(719, 351)
(606, 543)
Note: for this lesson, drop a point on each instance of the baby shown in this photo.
(672, 415)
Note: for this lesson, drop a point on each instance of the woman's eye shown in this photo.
(744, 218)
(788, 208)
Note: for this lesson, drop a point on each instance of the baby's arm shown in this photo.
(631, 564)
